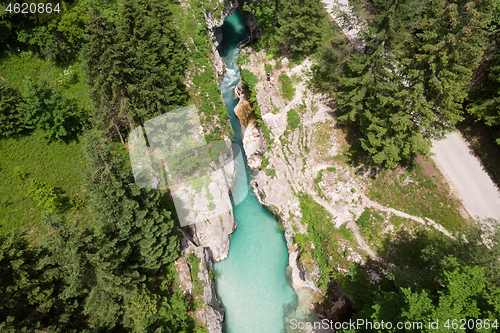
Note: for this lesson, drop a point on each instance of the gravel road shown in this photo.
(455, 160)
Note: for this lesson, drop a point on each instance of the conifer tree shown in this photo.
(133, 217)
(485, 96)
(30, 296)
(300, 24)
(372, 93)
(135, 67)
(104, 54)
(155, 59)
(408, 85)
(441, 57)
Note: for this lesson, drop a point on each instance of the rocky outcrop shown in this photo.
(214, 24)
(213, 234)
(211, 314)
(251, 23)
(254, 144)
(183, 273)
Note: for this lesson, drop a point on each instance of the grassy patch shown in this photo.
(67, 77)
(292, 119)
(287, 88)
(205, 91)
(32, 158)
(326, 238)
(420, 196)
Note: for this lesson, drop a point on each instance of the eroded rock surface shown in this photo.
(211, 314)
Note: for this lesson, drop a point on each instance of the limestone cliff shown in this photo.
(211, 313)
(254, 142)
(215, 19)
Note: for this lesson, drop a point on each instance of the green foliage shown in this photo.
(46, 195)
(242, 59)
(292, 119)
(205, 92)
(36, 157)
(324, 235)
(135, 66)
(138, 216)
(300, 24)
(10, 123)
(139, 307)
(364, 219)
(484, 96)
(409, 83)
(50, 111)
(287, 88)
(266, 12)
(249, 80)
(268, 68)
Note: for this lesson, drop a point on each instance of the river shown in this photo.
(251, 282)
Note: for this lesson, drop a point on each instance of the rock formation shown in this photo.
(214, 25)
(211, 314)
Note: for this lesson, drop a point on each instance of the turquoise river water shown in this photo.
(251, 283)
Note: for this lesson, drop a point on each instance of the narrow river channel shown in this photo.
(251, 282)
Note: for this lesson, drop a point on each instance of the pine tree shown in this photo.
(300, 24)
(372, 93)
(485, 96)
(155, 59)
(135, 67)
(30, 297)
(104, 54)
(441, 57)
(132, 216)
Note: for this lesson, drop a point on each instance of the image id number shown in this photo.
(32, 8)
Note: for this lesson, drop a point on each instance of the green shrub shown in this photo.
(293, 119)
(10, 122)
(248, 78)
(364, 220)
(287, 87)
(268, 68)
(46, 195)
(42, 108)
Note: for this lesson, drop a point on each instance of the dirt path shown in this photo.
(463, 169)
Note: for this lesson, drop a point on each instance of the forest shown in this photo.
(90, 251)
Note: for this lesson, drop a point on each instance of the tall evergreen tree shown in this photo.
(371, 91)
(485, 95)
(135, 218)
(30, 292)
(104, 54)
(136, 66)
(408, 85)
(441, 57)
(155, 59)
(300, 24)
